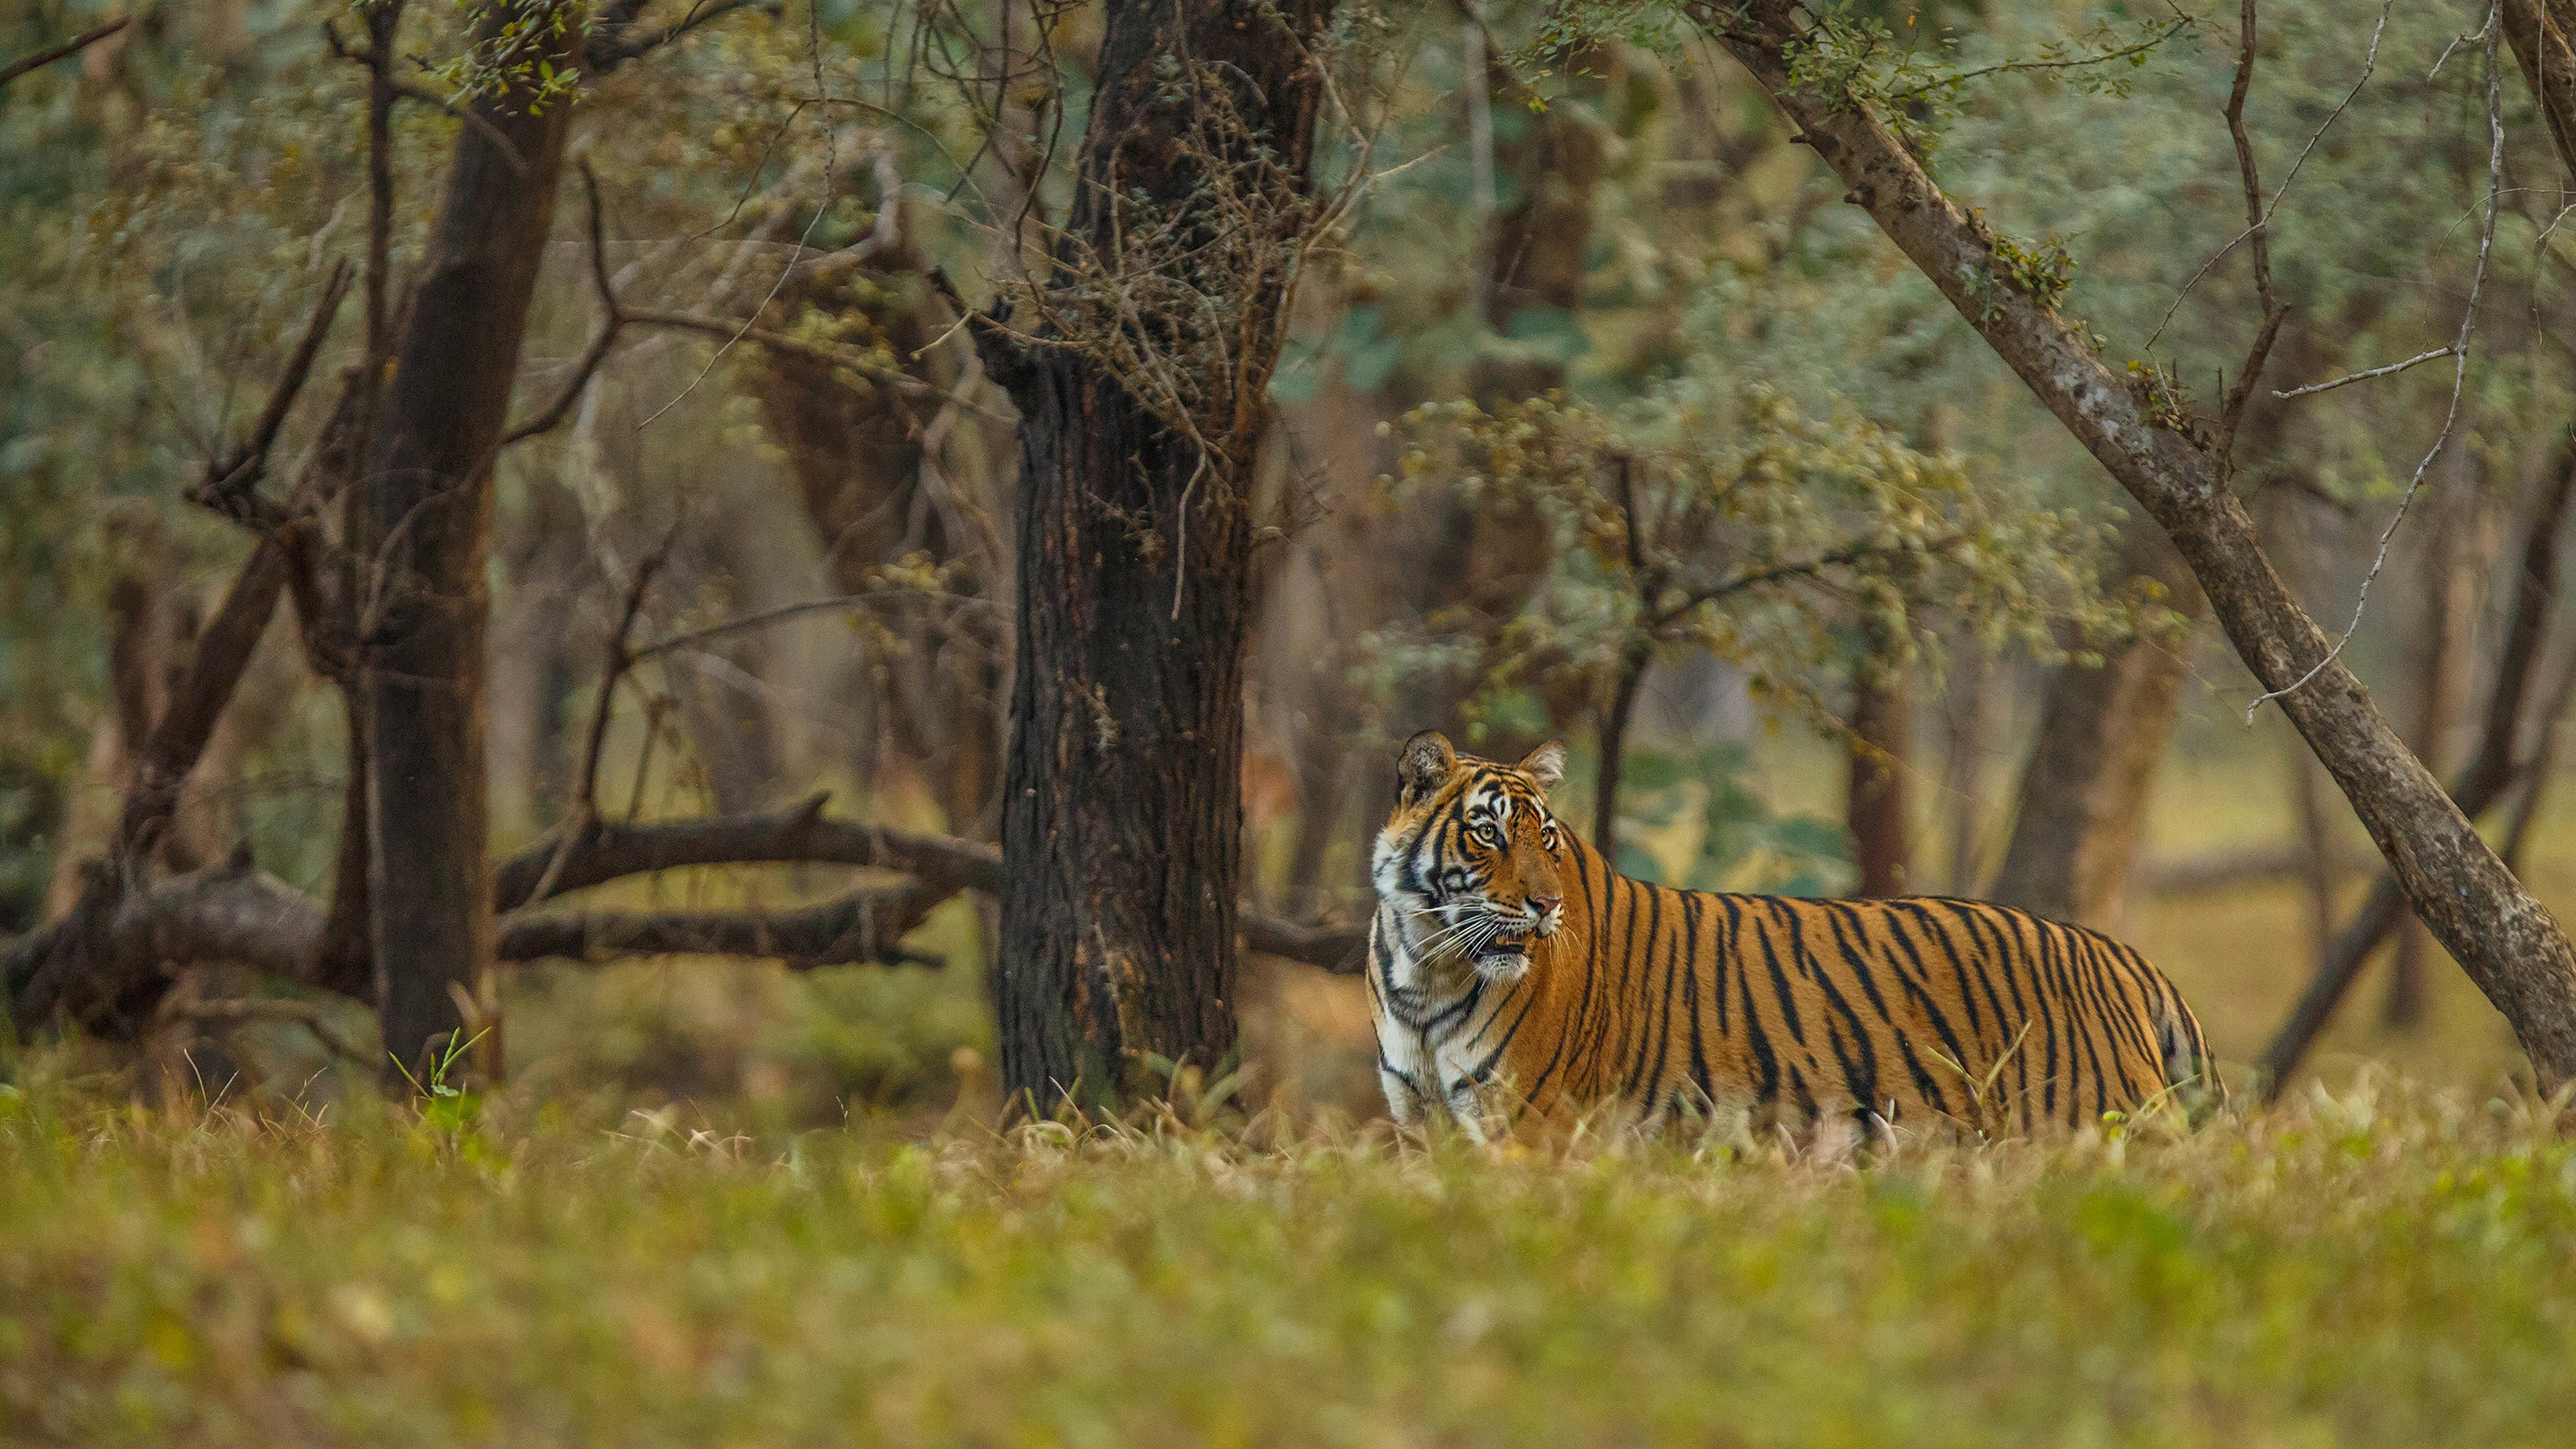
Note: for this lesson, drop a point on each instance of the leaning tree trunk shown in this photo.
(428, 480)
(2507, 941)
(2101, 733)
(1121, 815)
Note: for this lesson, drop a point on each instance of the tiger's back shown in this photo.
(1911, 1012)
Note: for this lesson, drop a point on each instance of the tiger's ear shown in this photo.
(1546, 765)
(1422, 765)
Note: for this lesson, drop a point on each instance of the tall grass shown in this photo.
(2392, 1266)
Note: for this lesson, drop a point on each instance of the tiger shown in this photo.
(1511, 970)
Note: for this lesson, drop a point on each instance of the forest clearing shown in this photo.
(1285, 721)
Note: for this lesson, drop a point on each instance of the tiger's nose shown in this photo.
(1546, 909)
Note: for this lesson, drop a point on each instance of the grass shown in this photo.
(2391, 1266)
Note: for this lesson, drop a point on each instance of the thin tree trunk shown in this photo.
(2092, 768)
(1875, 807)
(1615, 718)
(1966, 716)
(1121, 815)
(428, 475)
(2508, 942)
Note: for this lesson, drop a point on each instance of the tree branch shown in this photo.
(2509, 943)
(801, 833)
(229, 479)
(863, 926)
(52, 53)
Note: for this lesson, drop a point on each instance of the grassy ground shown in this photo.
(2392, 1267)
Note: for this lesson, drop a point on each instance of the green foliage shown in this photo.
(2383, 1268)
(1741, 843)
(1716, 516)
(1854, 57)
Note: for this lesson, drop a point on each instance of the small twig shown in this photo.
(752, 621)
(2446, 350)
(831, 142)
(52, 53)
(2369, 63)
(2257, 227)
(2459, 351)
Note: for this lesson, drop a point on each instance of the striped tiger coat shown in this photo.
(1510, 966)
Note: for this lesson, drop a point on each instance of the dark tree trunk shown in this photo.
(1121, 814)
(1967, 715)
(2101, 733)
(1615, 718)
(428, 481)
(2509, 943)
(1875, 807)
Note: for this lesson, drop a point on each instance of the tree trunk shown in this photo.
(428, 481)
(1967, 715)
(1121, 816)
(2508, 942)
(1614, 746)
(2102, 732)
(1876, 806)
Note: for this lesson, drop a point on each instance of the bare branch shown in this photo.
(608, 851)
(2369, 63)
(801, 833)
(2459, 366)
(52, 53)
(2446, 350)
(2257, 228)
(863, 926)
(229, 479)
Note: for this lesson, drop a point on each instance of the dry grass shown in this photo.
(2388, 1267)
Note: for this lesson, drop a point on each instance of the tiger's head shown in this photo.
(1469, 860)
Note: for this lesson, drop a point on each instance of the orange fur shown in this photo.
(1918, 1012)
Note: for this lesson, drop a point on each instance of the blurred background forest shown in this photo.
(1590, 330)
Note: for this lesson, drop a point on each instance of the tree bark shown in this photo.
(1121, 817)
(1876, 804)
(2168, 460)
(428, 482)
(1614, 745)
(2092, 767)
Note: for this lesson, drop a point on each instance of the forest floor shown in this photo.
(2388, 1266)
